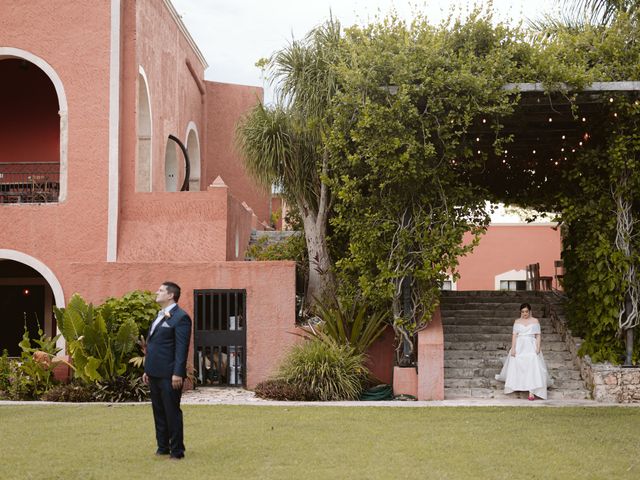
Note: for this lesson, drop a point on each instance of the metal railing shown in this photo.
(29, 182)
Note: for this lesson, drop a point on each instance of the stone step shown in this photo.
(547, 329)
(451, 305)
(562, 363)
(547, 346)
(552, 394)
(485, 382)
(469, 373)
(491, 293)
(494, 337)
(489, 321)
(472, 354)
(474, 313)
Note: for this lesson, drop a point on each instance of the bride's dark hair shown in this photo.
(525, 305)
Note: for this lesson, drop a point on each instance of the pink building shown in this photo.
(90, 178)
(95, 196)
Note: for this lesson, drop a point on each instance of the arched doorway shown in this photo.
(26, 300)
(143, 159)
(193, 147)
(33, 130)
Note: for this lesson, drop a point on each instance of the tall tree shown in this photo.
(284, 145)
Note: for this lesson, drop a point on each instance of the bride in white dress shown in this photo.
(524, 368)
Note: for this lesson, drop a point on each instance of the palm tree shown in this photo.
(284, 145)
(576, 14)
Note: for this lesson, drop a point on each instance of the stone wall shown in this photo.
(607, 382)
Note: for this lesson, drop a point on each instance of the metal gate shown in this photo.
(220, 339)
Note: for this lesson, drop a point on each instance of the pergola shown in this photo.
(547, 130)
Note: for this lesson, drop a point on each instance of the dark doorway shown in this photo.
(220, 337)
(20, 305)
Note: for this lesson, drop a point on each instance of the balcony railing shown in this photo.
(29, 182)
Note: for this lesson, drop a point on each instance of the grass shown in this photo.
(252, 442)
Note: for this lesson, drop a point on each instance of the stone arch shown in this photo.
(11, 52)
(144, 124)
(193, 147)
(46, 273)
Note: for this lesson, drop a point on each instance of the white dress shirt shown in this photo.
(160, 317)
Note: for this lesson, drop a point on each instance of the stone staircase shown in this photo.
(477, 336)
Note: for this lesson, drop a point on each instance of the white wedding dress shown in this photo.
(527, 370)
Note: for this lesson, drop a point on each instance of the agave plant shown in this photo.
(347, 324)
(100, 349)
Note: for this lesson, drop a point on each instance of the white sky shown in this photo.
(234, 34)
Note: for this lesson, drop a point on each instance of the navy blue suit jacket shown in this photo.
(168, 346)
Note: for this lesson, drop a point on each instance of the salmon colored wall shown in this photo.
(270, 290)
(509, 247)
(226, 104)
(75, 43)
(183, 226)
(153, 40)
(29, 120)
(238, 228)
(381, 356)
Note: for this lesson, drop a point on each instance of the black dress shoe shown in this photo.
(176, 457)
(161, 453)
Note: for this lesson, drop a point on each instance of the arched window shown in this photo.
(33, 130)
(143, 156)
(193, 147)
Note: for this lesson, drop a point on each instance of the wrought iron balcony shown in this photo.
(29, 182)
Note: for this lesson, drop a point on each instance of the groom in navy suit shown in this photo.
(165, 368)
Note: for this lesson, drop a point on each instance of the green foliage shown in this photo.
(594, 267)
(35, 367)
(325, 370)
(99, 345)
(75, 391)
(349, 324)
(124, 388)
(32, 375)
(291, 248)
(277, 389)
(138, 306)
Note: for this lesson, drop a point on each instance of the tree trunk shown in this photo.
(321, 279)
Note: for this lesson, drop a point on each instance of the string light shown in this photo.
(615, 114)
(479, 152)
(550, 119)
(477, 139)
(555, 163)
(562, 149)
(610, 99)
(564, 137)
(580, 143)
(484, 120)
(584, 119)
(534, 152)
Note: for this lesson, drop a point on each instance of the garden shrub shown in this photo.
(278, 389)
(76, 391)
(325, 370)
(99, 345)
(139, 306)
(125, 388)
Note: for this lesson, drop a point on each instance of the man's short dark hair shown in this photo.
(173, 288)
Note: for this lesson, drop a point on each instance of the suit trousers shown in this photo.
(167, 416)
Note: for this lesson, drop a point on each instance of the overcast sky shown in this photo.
(234, 34)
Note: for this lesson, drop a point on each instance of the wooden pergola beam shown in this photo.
(628, 86)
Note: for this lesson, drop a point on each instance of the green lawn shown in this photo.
(228, 442)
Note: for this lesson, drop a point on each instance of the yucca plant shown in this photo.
(325, 370)
(347, 324)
